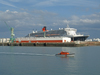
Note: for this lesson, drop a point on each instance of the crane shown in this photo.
(12, 39)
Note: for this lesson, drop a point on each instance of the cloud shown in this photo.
(41, 18)
(15, 0)
(43, 12)
(12, 15)
(26, 21)
(84, 3)
(84, 20)
(6, 3)
(45, 3)
(89, 21)
(66, 21)
(92, 16)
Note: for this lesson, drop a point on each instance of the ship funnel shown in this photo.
(44, 29)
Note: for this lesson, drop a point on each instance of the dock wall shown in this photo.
(69, 44)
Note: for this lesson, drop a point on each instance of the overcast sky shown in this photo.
(28, 15)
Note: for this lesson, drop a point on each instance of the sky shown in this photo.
(28, 15)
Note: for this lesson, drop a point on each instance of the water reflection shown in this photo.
(71, 64)
(84, 62)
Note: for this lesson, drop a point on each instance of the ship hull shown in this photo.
(79, 38)
(43, 40)
(60, 33)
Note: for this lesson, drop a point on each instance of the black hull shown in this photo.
(79, 38)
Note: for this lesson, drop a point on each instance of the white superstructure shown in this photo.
(71, 31)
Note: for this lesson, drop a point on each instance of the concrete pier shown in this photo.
(69, 44)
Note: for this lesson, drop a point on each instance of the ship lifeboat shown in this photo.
(65, 54)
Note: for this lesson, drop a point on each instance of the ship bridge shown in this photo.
(71, 31)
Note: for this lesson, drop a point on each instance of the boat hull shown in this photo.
(65, 55)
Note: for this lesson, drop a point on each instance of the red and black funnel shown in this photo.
(44, 29)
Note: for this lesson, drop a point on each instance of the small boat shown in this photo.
(65, 54)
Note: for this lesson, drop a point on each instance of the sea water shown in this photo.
(17, 60)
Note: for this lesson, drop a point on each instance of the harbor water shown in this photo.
(18, 60)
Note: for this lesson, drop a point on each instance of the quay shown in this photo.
(68, 44)
(48, 42)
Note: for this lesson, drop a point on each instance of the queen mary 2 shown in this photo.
(61, 32)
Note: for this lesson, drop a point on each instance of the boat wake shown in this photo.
(28, 54)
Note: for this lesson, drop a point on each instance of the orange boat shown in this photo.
(65, 54)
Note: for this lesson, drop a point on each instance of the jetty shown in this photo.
(63, 43)
(68, 44)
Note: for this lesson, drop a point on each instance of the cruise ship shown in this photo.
(61, 32)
